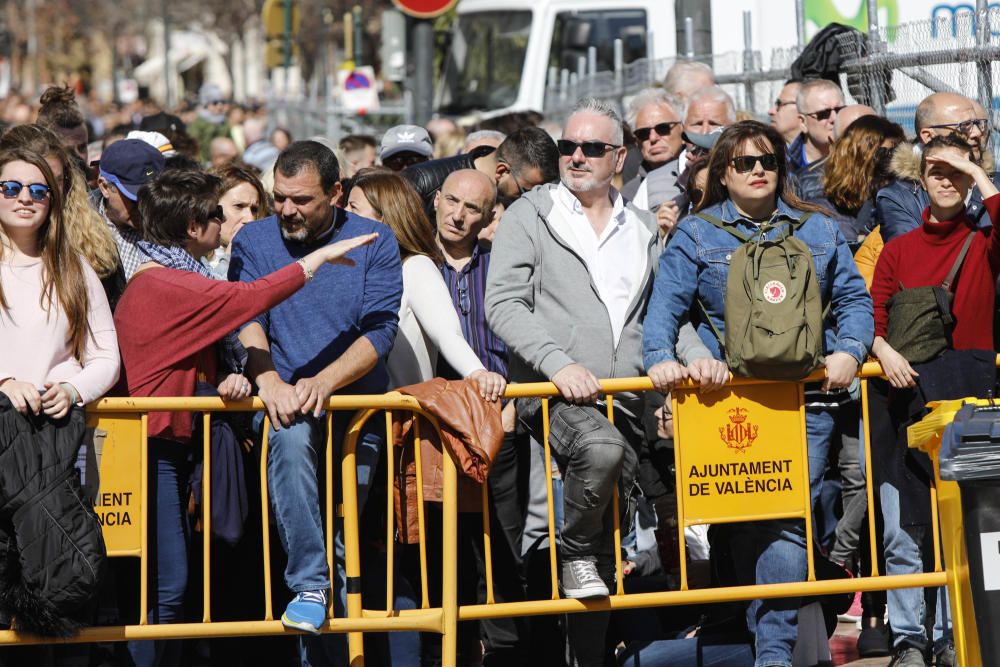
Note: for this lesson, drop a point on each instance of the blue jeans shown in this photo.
(295, 461)
(780, 550)
(907, 608)
(696, 652)
(168, 567)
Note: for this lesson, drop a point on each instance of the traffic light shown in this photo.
(274, 53)
(274, 18)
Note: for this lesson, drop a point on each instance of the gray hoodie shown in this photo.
(542, 301)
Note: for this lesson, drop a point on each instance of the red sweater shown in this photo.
(166, 319)
(923, 258)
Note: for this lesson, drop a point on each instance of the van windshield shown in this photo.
(483, 66)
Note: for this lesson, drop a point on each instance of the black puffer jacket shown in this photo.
(52, 552)
(428, 177)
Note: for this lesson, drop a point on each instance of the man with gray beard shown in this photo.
(331, 336)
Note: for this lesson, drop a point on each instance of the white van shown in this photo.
(501, 51)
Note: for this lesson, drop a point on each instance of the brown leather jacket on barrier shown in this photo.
(472, 433)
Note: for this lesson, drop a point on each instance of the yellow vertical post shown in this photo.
(548, 494)
(449, 575)
(352, 551)
(206, 517)
(144, 513)
(390, 528)
(487, 546)
(616, 509)
(678, 484)
(869, 474)
(265, 520)
(421, 527)
(331, 518)
(810, 561)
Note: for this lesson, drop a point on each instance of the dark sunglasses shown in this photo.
(662, 129)
(217, 214)
(38, 191)
(745, 163)
(778, 103)
(965, 127)
(823, 114)
(589, 148)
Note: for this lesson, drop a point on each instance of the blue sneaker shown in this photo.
(307, 612)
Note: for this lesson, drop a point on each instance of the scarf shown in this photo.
(232, 354)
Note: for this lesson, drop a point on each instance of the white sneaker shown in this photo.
(580, 580)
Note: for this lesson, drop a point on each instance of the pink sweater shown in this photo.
(35, 342)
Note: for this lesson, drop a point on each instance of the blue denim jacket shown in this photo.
(695, 265)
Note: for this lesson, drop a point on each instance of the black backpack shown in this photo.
(824, 55)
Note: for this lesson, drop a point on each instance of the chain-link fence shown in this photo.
(955, 52)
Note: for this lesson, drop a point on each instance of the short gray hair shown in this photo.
(714, 94)
(479, 135)
(649, 96)
(814, 85)
(604, 108)
(681, 70)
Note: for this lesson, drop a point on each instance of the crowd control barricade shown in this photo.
(746, 440)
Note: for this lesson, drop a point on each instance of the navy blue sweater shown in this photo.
(311, 329)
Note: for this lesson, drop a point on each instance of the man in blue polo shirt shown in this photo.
(331, 336)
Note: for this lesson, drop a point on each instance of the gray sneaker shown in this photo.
(580, 580)
(909, 657)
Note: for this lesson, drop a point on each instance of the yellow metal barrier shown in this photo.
(762, 431)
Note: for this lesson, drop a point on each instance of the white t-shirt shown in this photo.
(616, 259)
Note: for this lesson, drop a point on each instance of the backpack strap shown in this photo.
(715, 329)
(730, 229)
(958, 262)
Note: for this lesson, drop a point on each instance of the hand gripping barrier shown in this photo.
(736, 421)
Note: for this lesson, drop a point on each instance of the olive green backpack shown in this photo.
(773, 309)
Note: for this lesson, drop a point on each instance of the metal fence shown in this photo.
(314, 116)
(891, 68)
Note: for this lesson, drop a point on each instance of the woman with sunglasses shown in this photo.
(428, 323)
(747, 187)
(172, 319)
(58, 337)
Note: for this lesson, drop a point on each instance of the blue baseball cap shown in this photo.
(130, 164)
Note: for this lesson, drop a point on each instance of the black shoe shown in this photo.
(873, 642)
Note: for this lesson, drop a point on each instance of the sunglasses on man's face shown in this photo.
(589, 148)
(662, 129)
(38, 191)
(745, 163)
(824, 114)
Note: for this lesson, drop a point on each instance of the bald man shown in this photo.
(900, 204)
(848, 115)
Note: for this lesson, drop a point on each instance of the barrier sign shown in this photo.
(118, 498)
(740, 453)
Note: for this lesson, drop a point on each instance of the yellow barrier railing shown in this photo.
(443, 619)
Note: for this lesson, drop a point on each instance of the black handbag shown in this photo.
(920, 318)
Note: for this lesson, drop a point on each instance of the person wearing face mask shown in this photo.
(747, 188)
(243, 200)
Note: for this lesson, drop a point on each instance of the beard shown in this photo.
(294, 229)
(586, 184)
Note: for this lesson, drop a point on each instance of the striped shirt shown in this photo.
(467, 287)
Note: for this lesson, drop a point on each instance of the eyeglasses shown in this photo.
(401, 161)
(463, 294)
(589, 148)
(662, 129)
(778, 103)
(965, 127)
(745, 163)
(513, 176)
(824, 114)
(11, 189)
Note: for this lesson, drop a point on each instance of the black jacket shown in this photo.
(428, 177)
(52, 552)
